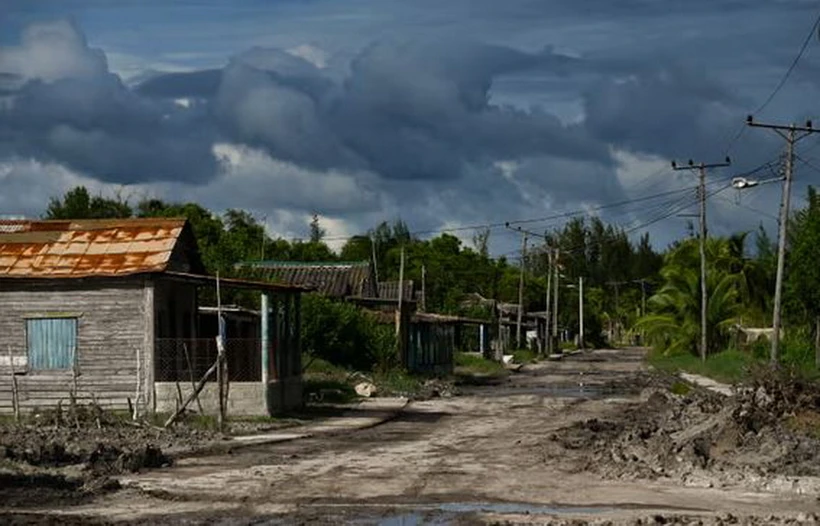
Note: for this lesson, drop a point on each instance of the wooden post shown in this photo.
(15, 395)
(194, 394)
(135, 409)
(191, 374)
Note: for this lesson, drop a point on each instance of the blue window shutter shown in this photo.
(52, 343)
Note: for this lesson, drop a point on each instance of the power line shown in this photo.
(780, 84)
(807, 163)
(560, 215)
(789, 71)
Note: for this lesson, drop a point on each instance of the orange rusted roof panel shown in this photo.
(86, 248)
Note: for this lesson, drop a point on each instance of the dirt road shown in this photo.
(481, 457)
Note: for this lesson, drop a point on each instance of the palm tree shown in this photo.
(673, 323)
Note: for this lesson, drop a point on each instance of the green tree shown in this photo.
(317, 233)
(673, 323)
(77, 203)
(804, 270)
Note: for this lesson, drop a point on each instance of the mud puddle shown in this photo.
(554, 390)
(456, 512)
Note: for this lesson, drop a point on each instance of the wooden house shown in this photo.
(107, 310)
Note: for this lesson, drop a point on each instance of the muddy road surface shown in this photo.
(503, 454)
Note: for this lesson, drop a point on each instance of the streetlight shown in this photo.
(742, 183)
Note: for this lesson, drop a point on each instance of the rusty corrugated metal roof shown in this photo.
(87, 247)
(337, 280)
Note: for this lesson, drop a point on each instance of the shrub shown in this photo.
(345, 336)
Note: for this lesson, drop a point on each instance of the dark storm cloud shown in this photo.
(674, 112)
(73, 111)
(404, 110)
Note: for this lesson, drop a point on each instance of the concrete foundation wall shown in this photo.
(244, 398)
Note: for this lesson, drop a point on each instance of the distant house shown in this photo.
(337, 280)
(109, 310)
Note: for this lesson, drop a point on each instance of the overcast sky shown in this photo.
(444, 113)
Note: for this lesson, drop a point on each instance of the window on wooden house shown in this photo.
(52, 343)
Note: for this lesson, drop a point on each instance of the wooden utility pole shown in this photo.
(642, 281)
(423, 288)
(791, 134)
(617, 330)
(401, 294)
(547, 332)
(701, 168)
(581, 312)
(556, 270)
(375, 262)
(521, 292)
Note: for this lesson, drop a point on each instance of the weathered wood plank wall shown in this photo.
(112, 328)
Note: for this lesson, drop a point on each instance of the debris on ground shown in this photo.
(365, 389)
(765, 437)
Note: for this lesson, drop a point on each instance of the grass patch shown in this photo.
(472, 367)
(189, 420)
(397, 382)
(525, 356)
(680, 388)
(806, 422)
(728, 366)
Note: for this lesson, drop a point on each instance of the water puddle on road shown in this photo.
(444, 514)
(556, 391)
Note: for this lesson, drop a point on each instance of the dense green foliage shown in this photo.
(674, 321)
(629, 288)
(343, 335)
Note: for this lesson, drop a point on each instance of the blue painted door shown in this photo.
(52, 343)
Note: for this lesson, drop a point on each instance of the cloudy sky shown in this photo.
(444, 113)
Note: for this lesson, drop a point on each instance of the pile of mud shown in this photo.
(684, 520)
(61, 455)
(766, 437)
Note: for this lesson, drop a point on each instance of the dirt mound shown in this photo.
(727, 519)
(64, 455)
(754, 438)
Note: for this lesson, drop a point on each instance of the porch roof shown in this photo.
(235, 283)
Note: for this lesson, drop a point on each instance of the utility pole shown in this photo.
(556, 268)
(423, 288)
(642, 281)
(701, 168)
(521, 292)
(581, 312)
(547, 335)
(400, 312)
(791, 134)
(616, 285)
(375, 262)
